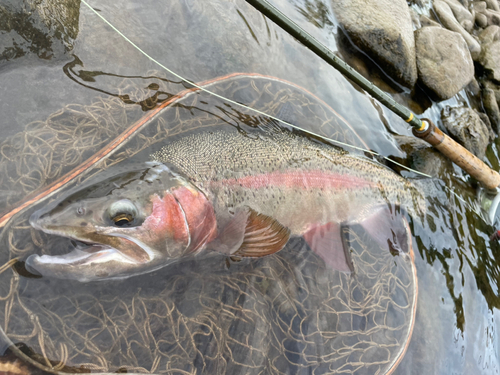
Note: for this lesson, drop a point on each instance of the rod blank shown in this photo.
(447, 146)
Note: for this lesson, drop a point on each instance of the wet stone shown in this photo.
(422, 157)
(444, 63)
(473, 88)
(415, 18)
(466, 127)
(484, 118)
(382, 29)
(425, 4)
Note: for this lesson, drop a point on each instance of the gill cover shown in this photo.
(129, 223)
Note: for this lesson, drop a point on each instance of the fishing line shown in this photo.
(243, 105)
(265, 114)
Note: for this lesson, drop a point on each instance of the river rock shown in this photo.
(493, 4)
(484, 118)
(444, 63)
(487, 13)
(492, 16)
(490, 60)
(462, 15)
(415, 19)
(491, 107)
(479, 6)
(423, 157)
(382, 29)
(448, 19)
(466, 127)
(490, 34)
(481, 20)
(426, 21)
(473, 88)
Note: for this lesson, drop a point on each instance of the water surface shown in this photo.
(66, 99)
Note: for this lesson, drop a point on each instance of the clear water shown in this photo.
(84, 82)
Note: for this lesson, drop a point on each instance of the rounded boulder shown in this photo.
(383, 30)
(444, 62)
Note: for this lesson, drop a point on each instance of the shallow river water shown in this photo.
(69, 91)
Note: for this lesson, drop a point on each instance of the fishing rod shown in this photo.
(422, 128)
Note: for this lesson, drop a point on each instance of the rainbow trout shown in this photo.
(241, 195)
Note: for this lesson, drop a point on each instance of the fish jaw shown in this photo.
(98, 257)
(95, 263)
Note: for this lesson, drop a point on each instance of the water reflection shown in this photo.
(46, 29)
(315, 12)
(146, 103)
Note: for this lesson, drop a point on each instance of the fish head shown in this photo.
(130, 223)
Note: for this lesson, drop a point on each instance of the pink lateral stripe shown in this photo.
(314, 179)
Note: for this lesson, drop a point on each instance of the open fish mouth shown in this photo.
(86, 262)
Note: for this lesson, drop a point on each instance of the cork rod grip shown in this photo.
(460, 156)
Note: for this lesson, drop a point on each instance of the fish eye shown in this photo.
(80, 211)
(122, 212)
(122, 219)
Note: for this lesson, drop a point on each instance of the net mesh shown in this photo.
(280, 314)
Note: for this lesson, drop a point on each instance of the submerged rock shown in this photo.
(382, 29)
(422, 157)
(46, 28)
(466, 127)
(444, 63)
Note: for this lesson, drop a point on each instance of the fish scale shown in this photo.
(232, 155)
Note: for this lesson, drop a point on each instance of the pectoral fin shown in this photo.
(250, 234)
